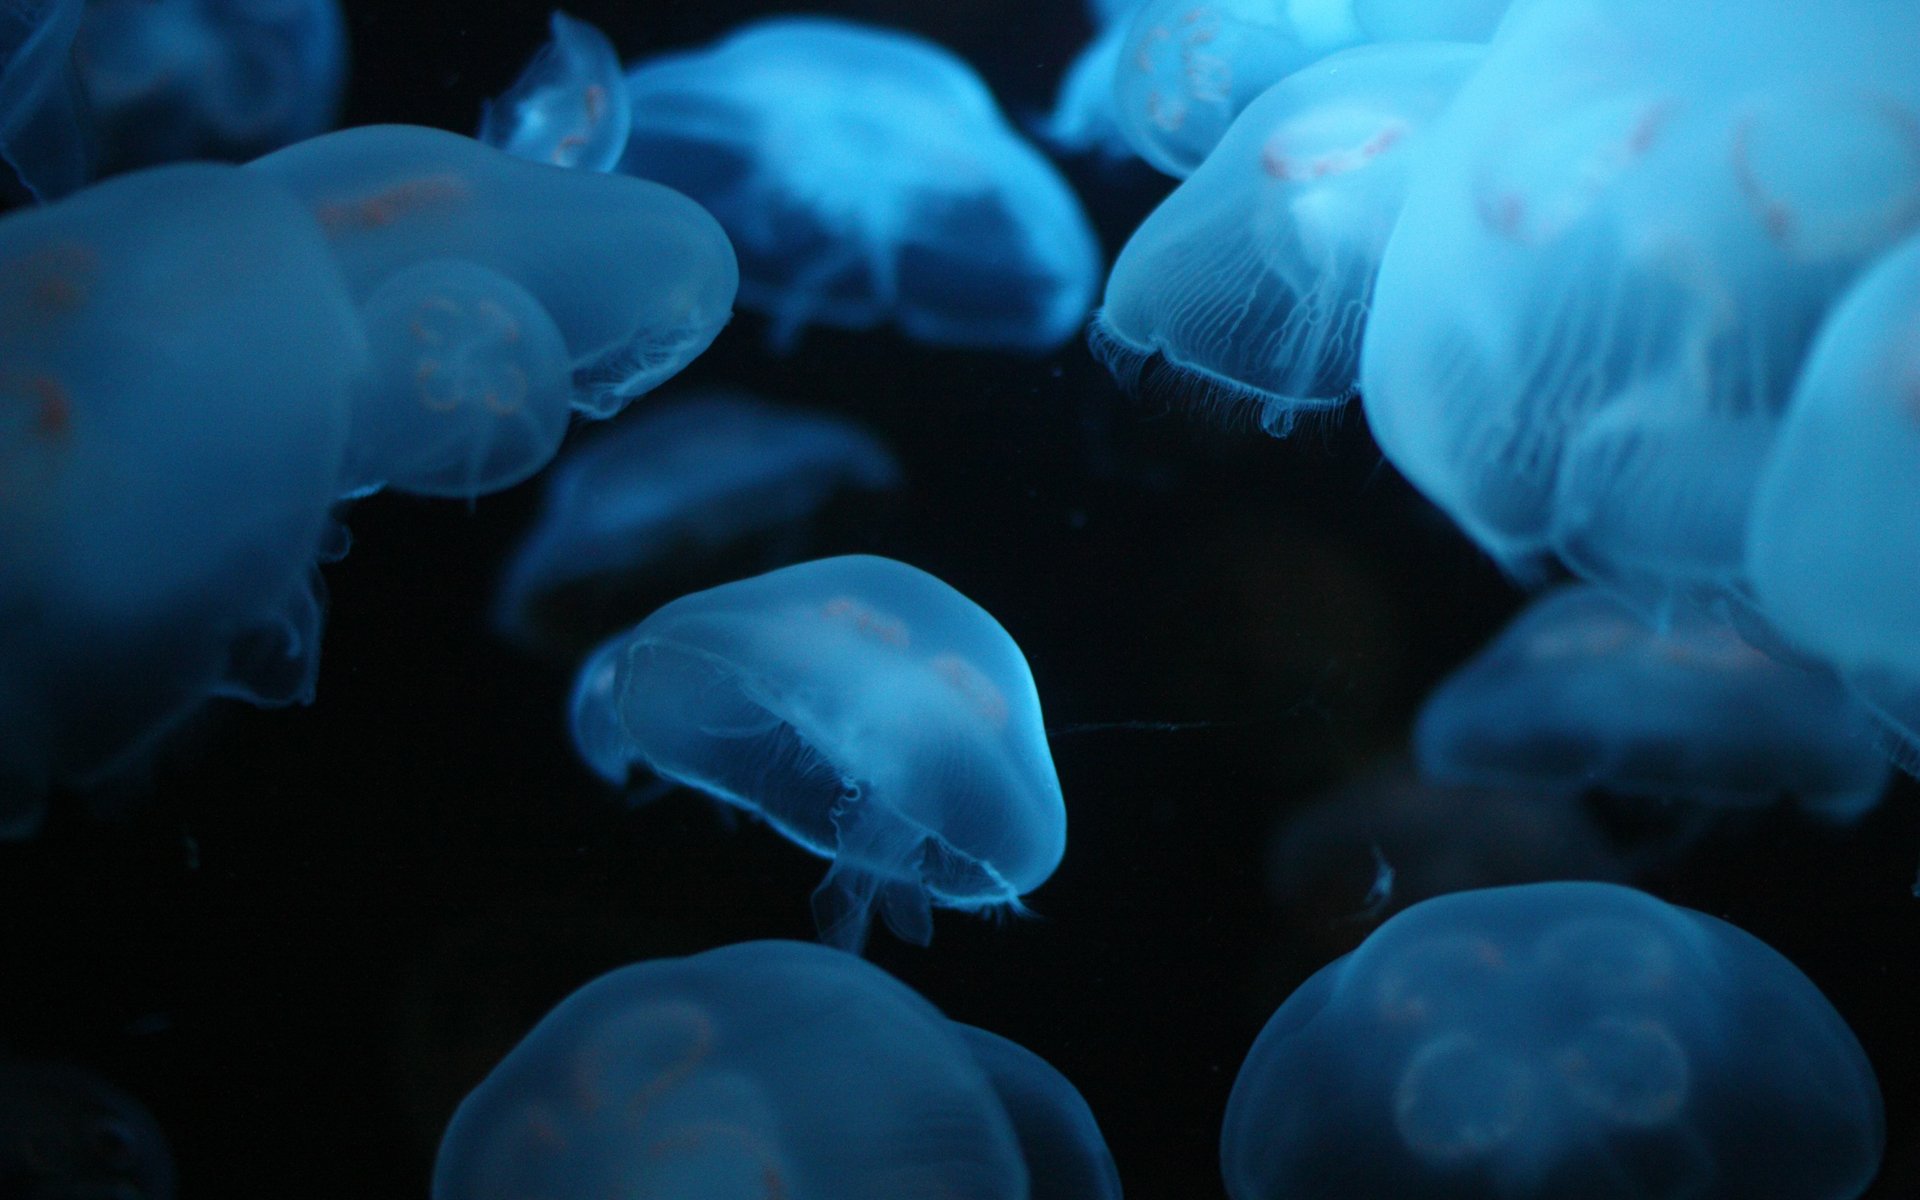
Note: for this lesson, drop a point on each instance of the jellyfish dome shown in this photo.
(868, 711)
(867, 177)
(1613, 258)
(1060, 1142)
(45, 135)
(1579, 691)
(1252, 280)
(1554, 1040)
(759, 1069)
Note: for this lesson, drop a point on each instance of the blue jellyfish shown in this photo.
(1060, 1142)
(637, 278)
(866, 710)
(46, 139)
(1580, 692)
(696, 474)
(759, 1069)
(569, 107)
(230, 79)
(1611, 262)
(66, 1134)
(178, 340)
(1084, 120)
(865, 177)
(1252, 279)
(1554, 1040)
(1836, 519)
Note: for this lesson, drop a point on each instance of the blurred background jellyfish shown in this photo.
(66, 1134)
(1611, 263)
(1554, 1040)
(228, 79)
(758, 1069)
(865, 709)
(1084, 120)
(45, 137)
(569, 107)
(867, 177)
(711, 476)
(1252, 280)
(178, 340)
(636, 278)
(1065, 1154)
(1580, 692)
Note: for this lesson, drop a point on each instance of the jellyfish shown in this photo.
(66, 1134)
(695, 475)
(636, 278)
(868, 711)
(867, 177)
(1613, 258)
(46, 139)
(757, 1069)
(1060, 1142)
(569, 107)
(1252, 279)
(1581, 692)
(1554, 1040)
(1084, 120)
(229, 79)
(179, 340)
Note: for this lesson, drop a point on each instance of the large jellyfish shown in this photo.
(45, 136)
(1613, 258)
(1252, 279)
(1558, 1041)
(867, 176)
(569, 107)
(65, 1134)
(176, 353)
(695, 474)
(754, 1070)
(868, 711)
(1580, 692)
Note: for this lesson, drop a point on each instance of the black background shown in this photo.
(311, 931)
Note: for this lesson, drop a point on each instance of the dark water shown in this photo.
(312, 931)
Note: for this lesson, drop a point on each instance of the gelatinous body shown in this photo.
(637, 278)
(45, 135)
(67, 1135)
(1579, 691)
(765, 1069)
(1066, 1156)
(1554, 1040)
(1252, 280)
(569, 107)
(693, 474)
(867, 177)
(866, 710)
(1084, 119)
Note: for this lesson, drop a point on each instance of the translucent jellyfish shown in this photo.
(569, 107)
(1554, 1040)
(1580, 692)
(1612, 260)
(1084, 120)
(692, 475)
(1065, 1154)
(230, 79)
(866, 710)
(754, 1070)
(637, 278)
(1836, 521)
(45, 136)
(867, 176)
(1252, 279)
(178, 339)
(65, 1134)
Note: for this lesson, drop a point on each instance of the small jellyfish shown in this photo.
(866, 710)
(569, 107)
(470, 389)
(46, 137)
(1066, 1156)
(67, 1135)
(1579, 691)
(1252, 280)
(637, 278)
(867, 177)
(229, 79)
(1553, 1040)
(695, 476)
(763, 1069)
